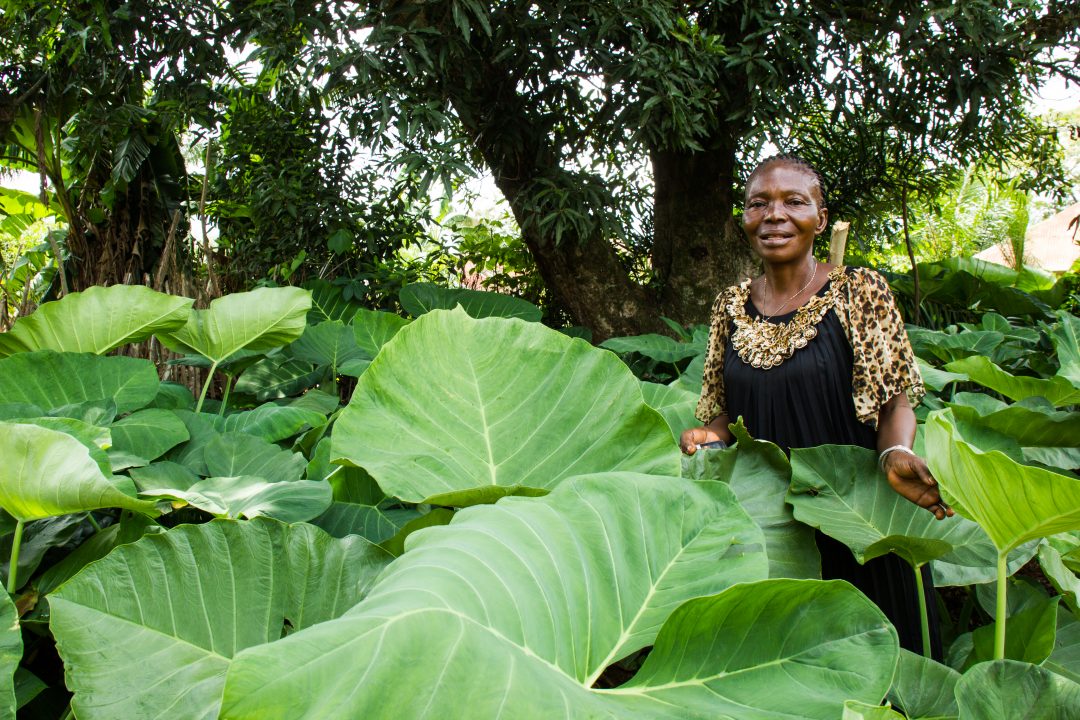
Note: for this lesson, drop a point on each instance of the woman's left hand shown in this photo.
(909, 476)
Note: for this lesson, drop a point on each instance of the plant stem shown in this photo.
(924, 619)
(1002, 605)
(13, 566)
(90, 517)
(68, 714)
(225, 399)
(205, 387)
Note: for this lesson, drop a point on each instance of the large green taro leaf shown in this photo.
(1065, 659)
(674, 403)
(45, 472)
(254, 321)
(250, 497)
(177, 607)
(1058, 390)
(855, 710)
(52, 380)
(774, 649)
(1012, 502)
(1030, 422)
(144, 436)
(519, 605)
(359, 507)
(759, 473)
(1061, 577)
(11, 650)
(270, 422)
(329, 344)
(1066, 339)
(234, 454)
(839, 489)
(924, 688)
(490, 406)
(96, 320)
(372, 329)
(656, 347)
(1011, 689)
(277, 377)
(421, 298)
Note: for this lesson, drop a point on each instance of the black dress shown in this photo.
(807, 401)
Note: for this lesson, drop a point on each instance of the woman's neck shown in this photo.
(788, 278)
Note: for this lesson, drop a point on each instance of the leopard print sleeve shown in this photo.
(713, 401)
(884, 363)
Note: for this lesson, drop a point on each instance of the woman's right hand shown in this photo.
(690, 439)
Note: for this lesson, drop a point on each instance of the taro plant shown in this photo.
(499, 521)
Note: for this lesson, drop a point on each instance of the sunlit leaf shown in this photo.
(180, 605)
(455, 404)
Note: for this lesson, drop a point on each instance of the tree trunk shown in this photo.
(698, 247)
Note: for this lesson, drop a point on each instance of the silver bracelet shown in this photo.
(886, 451)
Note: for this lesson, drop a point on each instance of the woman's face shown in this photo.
(783, 213)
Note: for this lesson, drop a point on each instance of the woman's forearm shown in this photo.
(896, 424)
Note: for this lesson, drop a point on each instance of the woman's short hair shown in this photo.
(801, 163)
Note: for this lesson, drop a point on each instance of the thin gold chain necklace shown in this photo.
(765, 280)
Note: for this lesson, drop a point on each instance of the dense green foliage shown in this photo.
(314, 136)
(498, 521)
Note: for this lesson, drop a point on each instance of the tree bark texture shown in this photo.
(698, 247)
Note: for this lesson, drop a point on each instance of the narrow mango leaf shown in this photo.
(675, 404)
(372, 329)
(655, 347)
(759, 473)
(254, 321)
(251, 497)
(11, 650)
(52, 380)
(505, 404)
(1012, 689)
(924, 688)
(1014, 503)
(1058, 390)
(1065, 660)
(515, 607)
(96, 320)
(234, 454)
(328, 344)
(328, 302)
(421, 298)
(840, 490)
(144, 436)
(47, 473)
(749, 652)
(178, 606)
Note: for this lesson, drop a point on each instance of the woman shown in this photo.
(811, 354)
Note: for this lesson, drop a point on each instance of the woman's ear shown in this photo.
(823, 220)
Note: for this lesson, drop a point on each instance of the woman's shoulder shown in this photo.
(727, 295)
(864, 278)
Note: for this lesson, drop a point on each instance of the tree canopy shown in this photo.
(618, 131)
